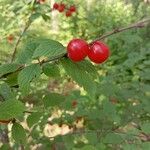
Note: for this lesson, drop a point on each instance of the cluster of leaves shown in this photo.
(111, 99)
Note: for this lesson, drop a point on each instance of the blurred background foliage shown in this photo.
(123, 79)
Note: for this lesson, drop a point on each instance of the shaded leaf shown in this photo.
(49, 48)
(18, 133)
(8, 68)
(53, 99)
(80, 75)
(27, 75)
(51, 70)
(11, 109)
(33, 118)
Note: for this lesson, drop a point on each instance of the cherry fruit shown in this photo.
(72, 8)
(56, 6)
(77, 49)
(74, 103)
(98, 52)
(61, 7)
(68, 13)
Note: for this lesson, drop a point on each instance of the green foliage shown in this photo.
(5, 91)
(81, 74)
(48, 48)
(105, 106)
(18, 133)
(33, 118)
(146, 127)
(27, 75)
(25, 56)
(53, 99)
(8, 68)
(51, 70)
(11, 109)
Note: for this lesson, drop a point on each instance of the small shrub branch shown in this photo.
(139, 24)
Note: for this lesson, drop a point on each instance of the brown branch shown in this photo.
(19, 39)
(139, 24)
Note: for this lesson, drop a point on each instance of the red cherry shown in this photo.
(61, 7)
(55, 6)
(10, 38)
(77, 49)
(68, 13)
(98, 52)
(72, 8)
(74, 103)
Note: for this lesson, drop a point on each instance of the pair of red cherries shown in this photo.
(96, 51)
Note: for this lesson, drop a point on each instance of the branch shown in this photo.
(139, 24)
(19, 39)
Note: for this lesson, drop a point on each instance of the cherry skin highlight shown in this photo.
(99, 52)
(77, 49)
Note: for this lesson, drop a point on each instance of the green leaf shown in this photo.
(89, 68)
(25, 56)
(11, 109)
(27, 75)
(49, 48)
(45, 17)
(53, 99)
(91, 137)
(88, 147)
(130, 147)
(101, 146)
(6, 92)
(79, 73)
(5, 147)
(35, 16)
(68, 141)
(12, 79)
(33, 118)
(112, 138)
(51, 70)
(18, 133)
(146, 127)
(8, 68)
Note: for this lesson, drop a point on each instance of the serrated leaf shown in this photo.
(25, 56)
(112, 138)
(45, 17)
(68, 141)
(12, 79)
(18, 133)
(90, 68)
(8, 68)
(11, 109)
(91, 137)
(80, 75)
(35, 16)
(6, 92)
(33, 118)
(49, 48)
(27, 75)
(53, 99)
(5, 147)
(51, 70)
(88, 147)
(146, 127)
